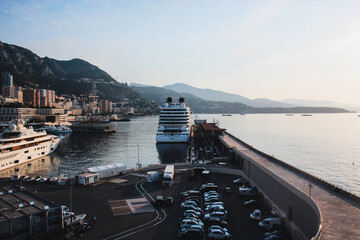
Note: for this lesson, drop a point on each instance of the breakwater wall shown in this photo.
(299, 213)
(350, 197)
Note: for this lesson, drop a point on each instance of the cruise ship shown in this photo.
(174, 122)
(19, 145)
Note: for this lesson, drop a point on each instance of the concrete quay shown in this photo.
(339, 212)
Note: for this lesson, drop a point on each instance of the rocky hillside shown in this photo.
(75, 76)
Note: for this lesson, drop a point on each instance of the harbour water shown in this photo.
(325, 145)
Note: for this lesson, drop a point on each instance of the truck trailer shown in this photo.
(168, 177)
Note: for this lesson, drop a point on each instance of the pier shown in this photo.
(310, 207)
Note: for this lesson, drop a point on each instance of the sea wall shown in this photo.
(299, 212)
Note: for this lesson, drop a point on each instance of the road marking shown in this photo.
(144, 226)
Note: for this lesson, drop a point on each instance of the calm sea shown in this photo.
(326, 145)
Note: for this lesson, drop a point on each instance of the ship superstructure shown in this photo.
(19, 145)
(174, 122)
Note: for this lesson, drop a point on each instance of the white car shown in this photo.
(246, 191)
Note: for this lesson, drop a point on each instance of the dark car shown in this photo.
(240, 181)
(199, 170)
(217, 221)
(191, 233)
(251, 202)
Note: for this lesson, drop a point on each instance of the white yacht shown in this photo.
(19, 145)
(174, 122)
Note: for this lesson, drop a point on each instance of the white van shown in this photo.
(270, 221)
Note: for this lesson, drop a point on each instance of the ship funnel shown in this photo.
(181, 100)
(169, 100)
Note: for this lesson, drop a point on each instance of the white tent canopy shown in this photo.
(107, 170)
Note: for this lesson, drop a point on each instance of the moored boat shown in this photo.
(174, 122)
(19, 144)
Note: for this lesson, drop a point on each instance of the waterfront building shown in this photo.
(50, 97)
(37, 99)
(8, 91)
(39, 114)
(110, 108)
(29, 96)
(7, 79)
(104, 106)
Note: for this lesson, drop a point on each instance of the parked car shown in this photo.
(169, 200)
(192, 207)
(218, 234)
(191, 234)
(217, 221)
(215, 208)
(239, 181)
(246, 191)
(200, 228)
(217, 227)
(199, 214)
(270, 221)
(191, 221)
(188, 225)
(251, 202)
(190, 193)
(221, 215)
(272, 227)
(276, 232)
(191, 215)
(207, 206)
(188, 203)
(207, 187)
(211, 194)
(227, 190)
(258, 215)
(159, 200)
(275, 237)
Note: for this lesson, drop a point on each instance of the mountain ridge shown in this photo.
(216, 95)
(199, 105)
(75, 76)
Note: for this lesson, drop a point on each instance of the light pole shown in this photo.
(310, 187)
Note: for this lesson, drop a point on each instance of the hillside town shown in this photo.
(45, 105)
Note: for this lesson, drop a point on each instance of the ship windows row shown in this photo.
(24, 146)
(20, 140)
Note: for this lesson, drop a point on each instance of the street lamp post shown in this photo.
(310, 187)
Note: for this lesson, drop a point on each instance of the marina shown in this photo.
(289, 139)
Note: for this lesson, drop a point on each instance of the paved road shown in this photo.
(340, 218)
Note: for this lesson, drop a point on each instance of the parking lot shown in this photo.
(240, 226)
(143, 219)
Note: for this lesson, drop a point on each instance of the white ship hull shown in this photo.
(14, 158)
(172, 138)
(174, 122)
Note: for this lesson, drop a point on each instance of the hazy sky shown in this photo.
(272, 49)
